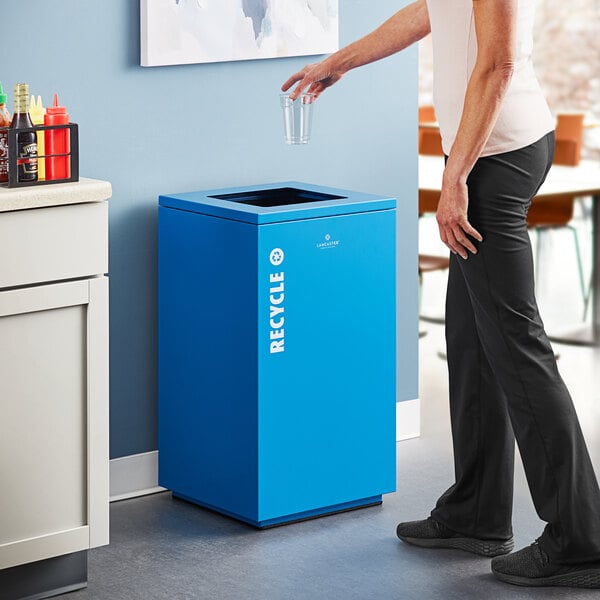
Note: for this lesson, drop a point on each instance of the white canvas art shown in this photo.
(175, 32)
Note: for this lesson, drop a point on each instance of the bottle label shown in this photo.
(27, 158)
(3, 156)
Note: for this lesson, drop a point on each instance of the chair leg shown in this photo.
(586, 213)
(587, 298)
(536, 264)
(421, 333)
(580, 270)
(586, 209)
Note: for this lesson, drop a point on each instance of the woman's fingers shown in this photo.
(469, 229)
(455, 245)
(291, 81)
(298, 76)
(463, 243)
(314, 78)
(316, 88)
(456, 238)
(455, 230)
(303, 79)
(450, 241)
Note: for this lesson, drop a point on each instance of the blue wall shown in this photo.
(171, 129)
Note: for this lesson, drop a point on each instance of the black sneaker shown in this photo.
(531, 566)
(431, 534)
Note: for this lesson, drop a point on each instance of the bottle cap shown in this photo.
(56, 109)
(36, 110)
(3, 96)
(21, 97)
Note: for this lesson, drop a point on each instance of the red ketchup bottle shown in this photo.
(57, 141)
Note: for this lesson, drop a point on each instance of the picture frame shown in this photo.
(175, 32)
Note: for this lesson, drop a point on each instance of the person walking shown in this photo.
(498, 138)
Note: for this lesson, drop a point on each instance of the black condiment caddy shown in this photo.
(73, 155)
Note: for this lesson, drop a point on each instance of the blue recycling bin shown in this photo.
(277, 350)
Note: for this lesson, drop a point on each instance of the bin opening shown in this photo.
(277, 197)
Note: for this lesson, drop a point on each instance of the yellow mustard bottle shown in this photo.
(36, 111)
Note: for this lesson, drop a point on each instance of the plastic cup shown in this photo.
(297, 117)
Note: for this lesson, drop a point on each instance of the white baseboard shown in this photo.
(135, 475)
(408, 419)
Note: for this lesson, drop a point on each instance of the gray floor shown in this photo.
(166, 549)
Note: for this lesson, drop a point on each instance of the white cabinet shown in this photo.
(53, 371)
(53, 243)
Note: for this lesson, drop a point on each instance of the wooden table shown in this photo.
(582, 180)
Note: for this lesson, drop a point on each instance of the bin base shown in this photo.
(293, 518)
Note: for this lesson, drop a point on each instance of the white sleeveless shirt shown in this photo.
(524, 116)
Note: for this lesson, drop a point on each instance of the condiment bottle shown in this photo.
(36, 112)
(26, 140)
(58, 141)
(4, 122)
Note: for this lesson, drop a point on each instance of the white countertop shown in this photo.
(56, 194)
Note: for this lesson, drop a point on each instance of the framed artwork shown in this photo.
(175, 32)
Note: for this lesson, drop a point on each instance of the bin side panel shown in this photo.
(327, 394)
(207, 360)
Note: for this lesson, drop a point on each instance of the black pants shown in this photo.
(504, 379)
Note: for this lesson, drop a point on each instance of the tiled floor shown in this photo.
(166, 549)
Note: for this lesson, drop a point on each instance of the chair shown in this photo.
(430, 141)
(428, 201)
(427, 114)
(569, 126)
(545, 215)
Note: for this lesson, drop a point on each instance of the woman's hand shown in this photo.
(313, 78)
(402, 29)
(452, 219)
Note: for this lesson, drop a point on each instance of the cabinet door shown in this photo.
(53, 420)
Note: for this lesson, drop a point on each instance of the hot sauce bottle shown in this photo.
(27, 150)
(4, 122)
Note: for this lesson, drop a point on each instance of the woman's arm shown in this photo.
(495, 27)
(400, 31)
